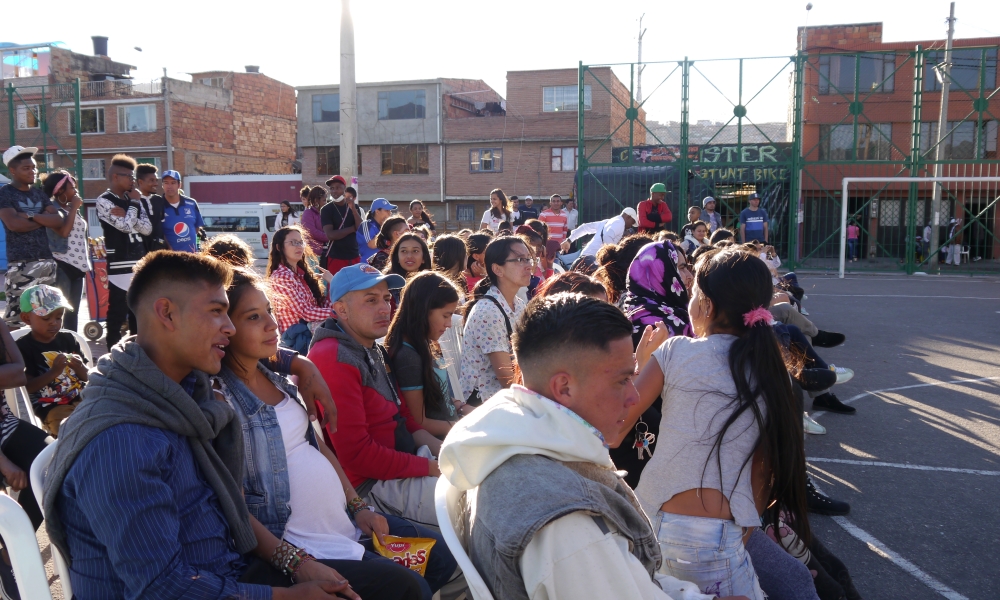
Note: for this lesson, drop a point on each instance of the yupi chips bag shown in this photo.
(412, 553)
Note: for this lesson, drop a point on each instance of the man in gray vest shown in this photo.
(551, 518)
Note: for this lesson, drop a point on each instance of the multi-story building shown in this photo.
(220, 123)
(449, 142)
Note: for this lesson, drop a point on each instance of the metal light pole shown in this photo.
(640, 68)
(800, 126)
(348, 96)
(939, 154)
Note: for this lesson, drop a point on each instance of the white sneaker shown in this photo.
(811, 426)
(803, 311)
(843, 374)
(805, 297)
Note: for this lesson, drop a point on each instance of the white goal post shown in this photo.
(849, 180)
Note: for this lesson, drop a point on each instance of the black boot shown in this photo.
(828, 339)
(815, 380)
(830, 402)
(822, 504)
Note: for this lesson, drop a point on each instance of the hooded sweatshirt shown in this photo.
(576, 554)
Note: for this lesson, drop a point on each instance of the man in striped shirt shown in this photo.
(556, 217)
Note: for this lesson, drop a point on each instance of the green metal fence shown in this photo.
(30, 115)
(863, 114)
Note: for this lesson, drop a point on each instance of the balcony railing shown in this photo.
(115, 88)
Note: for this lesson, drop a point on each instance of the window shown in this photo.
(875, 73)
(890, 213)
(149, 160)
(232, 224)
(486, 160)
(409, 104)
(212, 81)
(409, 159)
(874, 142)
(27, 117)
(326, 108)
(465, 212)
(962, 140)
(91, 121)
(46, 162)
(93, 168)
(966, 65)
(328, 160)
(136, 117)
(564, 97)
(564, 159)
(26, 62)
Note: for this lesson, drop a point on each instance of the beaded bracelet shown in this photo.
(295, 562)
(356, 505)
(282, 553)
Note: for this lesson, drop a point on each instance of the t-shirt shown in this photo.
(557, 222)
(754, 221)
(486, 333)
(38, 358)
(494, 222)
(340, 216)
(409, 371)
(366, 233)
(28, 245)
(852, 232)
(180, 225)
(522, 213)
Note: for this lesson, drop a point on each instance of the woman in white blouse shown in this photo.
(72, 251)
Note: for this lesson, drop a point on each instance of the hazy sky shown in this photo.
(298, 42)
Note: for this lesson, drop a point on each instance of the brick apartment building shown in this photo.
(450, 141)
(884, 76)
(220, 123)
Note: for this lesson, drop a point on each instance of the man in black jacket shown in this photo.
(146, 177)
(123, 222)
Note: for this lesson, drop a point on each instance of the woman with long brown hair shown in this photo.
(311, 221)
(299, 298)
(498, 212)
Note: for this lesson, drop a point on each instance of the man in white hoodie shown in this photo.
(551, 518)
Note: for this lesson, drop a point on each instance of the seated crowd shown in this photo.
(260, 435)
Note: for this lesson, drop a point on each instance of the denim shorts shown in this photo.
(707, 552)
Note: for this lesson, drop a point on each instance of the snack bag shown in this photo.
(412, 553)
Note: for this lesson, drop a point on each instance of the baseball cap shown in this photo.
(707, 199)
(336, 178)
(753, 196)
(382, 203)
(361, 277)
(171, 173)
(657, 188)
(630, 212)
(15, 151)
(528, 198)
(43, 300)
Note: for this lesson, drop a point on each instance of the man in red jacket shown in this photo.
(654, 214)
(385, 453)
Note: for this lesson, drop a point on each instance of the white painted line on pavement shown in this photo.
(820, 413)
(901, 296)
(882, 550)
(875, 463)
(885, 552)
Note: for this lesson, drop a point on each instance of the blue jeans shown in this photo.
(852, 247)
(441, 565)
(707, 552)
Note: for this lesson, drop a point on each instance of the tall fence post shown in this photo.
(795, 185)
(79, 133)
(43, 125)
(913, 196)
(685, 162)
(11, 118)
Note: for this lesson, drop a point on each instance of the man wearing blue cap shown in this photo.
(182, 219)
(387, 456)
(380, 211)
(753, 222)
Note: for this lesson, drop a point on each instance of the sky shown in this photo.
(298, 42)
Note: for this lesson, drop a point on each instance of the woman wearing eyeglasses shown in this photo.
(299, 299)
(487, 366)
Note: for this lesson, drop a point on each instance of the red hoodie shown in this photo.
(646, 225)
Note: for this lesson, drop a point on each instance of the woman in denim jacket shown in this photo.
(307, 517)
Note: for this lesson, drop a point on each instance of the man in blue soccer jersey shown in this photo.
(182, 220)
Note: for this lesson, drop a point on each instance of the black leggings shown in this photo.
(370, 579)
(118, 314)
(23, 445)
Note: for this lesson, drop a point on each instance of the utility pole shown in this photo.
(943, 73)
(638, 87)
(166, 120)
(348, 96)
(799, 202)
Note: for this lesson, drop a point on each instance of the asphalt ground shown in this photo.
(920, 465)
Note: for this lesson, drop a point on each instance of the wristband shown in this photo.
(357, 505)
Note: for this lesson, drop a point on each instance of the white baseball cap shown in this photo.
(528, 198)
(630, 212)
(14, 151)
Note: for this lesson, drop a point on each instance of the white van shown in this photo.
(252, 222)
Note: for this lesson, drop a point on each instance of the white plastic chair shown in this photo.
(451, 349)
(37, 476)
(22, 546)
(965, 254)
(10, 395)
(447, 505)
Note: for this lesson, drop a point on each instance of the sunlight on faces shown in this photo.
(699, 311)
(293, 248)
(411, 255)
(256, 334)
(337, 189)
(594, 383)
(685, 270)
(24, 171)
(365, 313)
(193, 324)
(439, 320)
(170, 186)
(700, 232)
(46, 328)
(515, 271)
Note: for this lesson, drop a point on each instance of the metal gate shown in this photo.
(31, 114)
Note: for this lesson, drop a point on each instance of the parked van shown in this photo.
(251, 222)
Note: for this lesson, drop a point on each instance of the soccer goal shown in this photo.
(847, 181)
